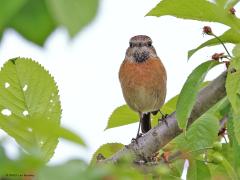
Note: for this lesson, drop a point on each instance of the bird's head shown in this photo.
(140, 49)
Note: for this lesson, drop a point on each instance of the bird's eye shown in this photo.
(130, 44)
(149, 44)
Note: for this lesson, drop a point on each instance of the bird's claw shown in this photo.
(163, 119)
(136, 139)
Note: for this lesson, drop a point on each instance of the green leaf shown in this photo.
(29, 96)
(177, 167)
(72, 14)
(106, 150)
(203, 132)
(230, 36)
(198, 170)
(200, 10)
(236, 51)
(232, 84)
(229, 169)
(8, 9)
(232, 150)
(123, 115)
(73, 169)
(226, 4)
(189, 92)
(33, 21)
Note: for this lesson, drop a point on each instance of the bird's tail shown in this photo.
(146, 122)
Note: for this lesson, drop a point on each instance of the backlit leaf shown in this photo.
(189, 92)
(123, 115)
(201, 10)
(29, 96)
(106, 150)
(73, 14)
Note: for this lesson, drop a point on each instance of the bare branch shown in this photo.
(162, 134)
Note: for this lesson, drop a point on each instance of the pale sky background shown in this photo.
(86, 67)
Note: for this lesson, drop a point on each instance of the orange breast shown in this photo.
(143, 84)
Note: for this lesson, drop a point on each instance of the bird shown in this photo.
(143, 80)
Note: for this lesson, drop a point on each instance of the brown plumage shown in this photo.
(143, 79)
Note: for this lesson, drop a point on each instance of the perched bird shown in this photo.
(143, 80)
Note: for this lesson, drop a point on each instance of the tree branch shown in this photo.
(162, 134)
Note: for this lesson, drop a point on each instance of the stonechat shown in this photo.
(143, 80)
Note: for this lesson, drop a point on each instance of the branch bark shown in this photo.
(162, 134)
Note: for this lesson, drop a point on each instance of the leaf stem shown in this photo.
(222, 44)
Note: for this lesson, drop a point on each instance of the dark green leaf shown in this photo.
(201, 10)
(189, 92)
(123, 115)
(33, 21)
(72, 14)
(230, 36)
(8, 9)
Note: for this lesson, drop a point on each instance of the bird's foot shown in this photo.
(163, 119)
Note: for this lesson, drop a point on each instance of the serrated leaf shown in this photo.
(189, 92)
(204, 131)
(28, 96)
(202, 134)
(33, 21)
(229, 36)
(201, 10)
(198, 170)
(72, 14)
(232, 84)
(121, 116)
(106, 150)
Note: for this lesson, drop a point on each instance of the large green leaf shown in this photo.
(123, 115)
(72, 14)
(232, 84)
(189, 92)
(201, 10)
(198, 170)
(230, 36)
(29, 96)
(106, 150)
(33, 21)
(203, 132)
(8, 9)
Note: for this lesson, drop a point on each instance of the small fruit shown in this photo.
(217, 158)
